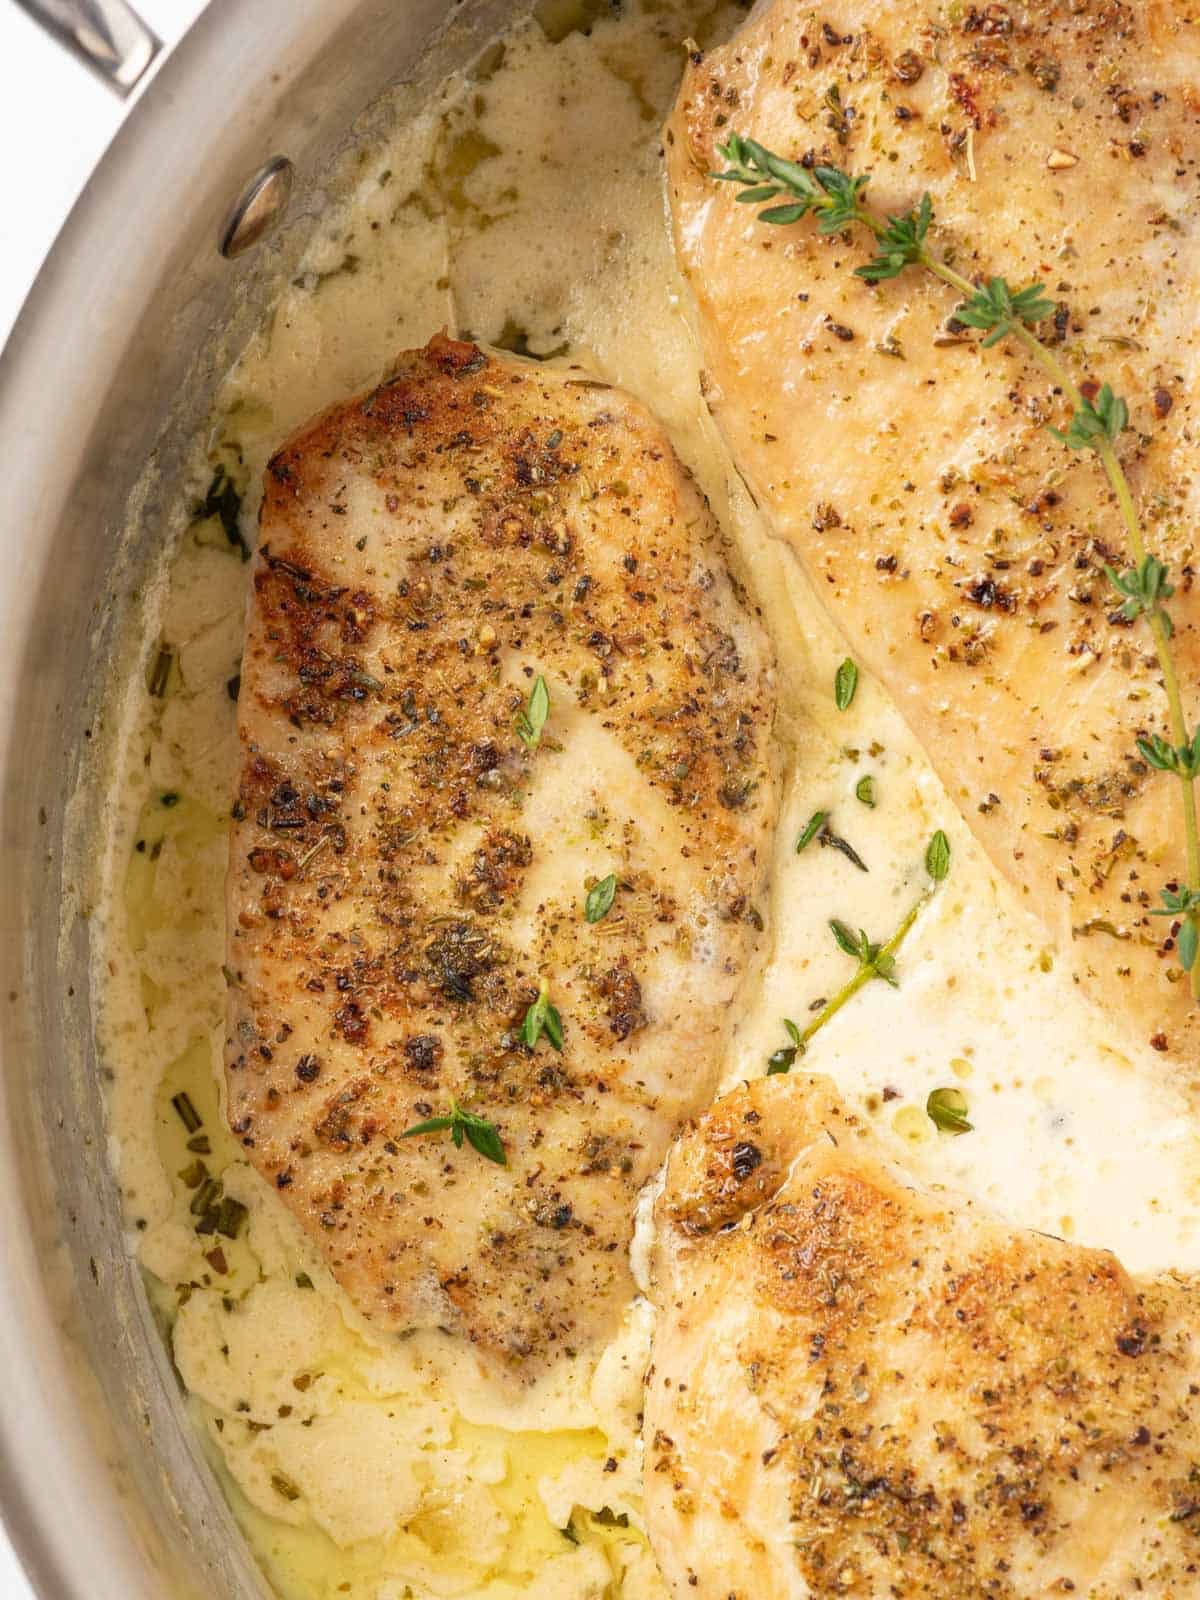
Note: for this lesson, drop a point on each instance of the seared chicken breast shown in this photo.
(861, 1388)
(960, 546)
(493, 659)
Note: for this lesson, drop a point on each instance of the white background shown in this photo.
(55, 120)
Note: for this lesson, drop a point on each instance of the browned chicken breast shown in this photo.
(859, 1388)
(959, 545)
(418, 825)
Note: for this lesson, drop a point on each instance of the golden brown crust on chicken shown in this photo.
(404, 870)
(960, 547)
(859, 1388)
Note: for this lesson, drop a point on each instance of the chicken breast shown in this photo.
(412, 849)
(960, 546)
(859, 1388)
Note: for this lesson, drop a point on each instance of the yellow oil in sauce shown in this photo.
(524, 207)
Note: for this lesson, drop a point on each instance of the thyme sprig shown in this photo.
(864, 952)
(1098, 419)
(874, 960)
(542, 1018)
(1185, 904)
(480, 1134)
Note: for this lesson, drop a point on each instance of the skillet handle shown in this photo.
(106, 35)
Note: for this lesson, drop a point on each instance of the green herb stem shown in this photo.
(1160, 631)
(946, 274)
(865, 973)
(874, 960)
(1119, 483)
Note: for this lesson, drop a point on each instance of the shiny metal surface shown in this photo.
(107, 374)
(259, 208)
(106, 35)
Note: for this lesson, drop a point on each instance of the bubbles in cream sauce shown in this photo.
(525, 207)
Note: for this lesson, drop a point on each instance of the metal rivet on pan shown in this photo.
(258, 208)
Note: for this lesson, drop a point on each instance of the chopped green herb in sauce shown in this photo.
(937, 857)
(845, 683)
(811, 828)
(160, 672)
(225, 504)
(186, 1111)
(947, 1108)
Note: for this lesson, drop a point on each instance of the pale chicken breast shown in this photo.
(864, 1389)
(959, 546)
(406, 870)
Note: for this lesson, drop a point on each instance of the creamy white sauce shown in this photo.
(529, 198)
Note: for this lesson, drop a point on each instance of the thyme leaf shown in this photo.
(845, 682)
(834, 841)
(552, 1027)
(828, 191)
(1144, 588)
(811, 828)
(872, 958)
(1178, 903)
(532, 719)
(783, 1059)
(846, 939)
(937, 857)
(479, 1133)
(997, 310)
(1182, 759)
(1187, 944)
(1183, 904)
(817, 827)
(600, 898)
(947, 1109)
(1104, 418)
(484, 1137)
(901, 244)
